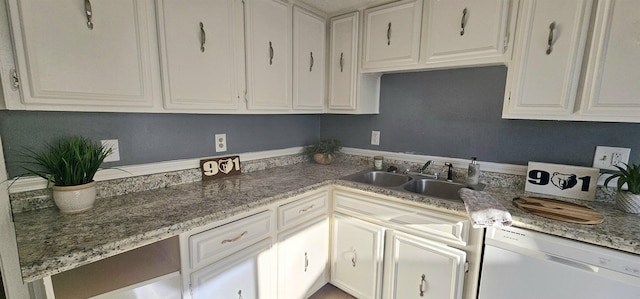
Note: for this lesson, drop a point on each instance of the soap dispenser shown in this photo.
(473, 173)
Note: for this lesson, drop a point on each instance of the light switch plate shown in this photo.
(607, 157)
(115, 150)
(375, 137)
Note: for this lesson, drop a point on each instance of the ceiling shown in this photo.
(332, 7)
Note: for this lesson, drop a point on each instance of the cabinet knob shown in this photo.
(89, 12)
(463, 21)
(203, 37)
(552, 27)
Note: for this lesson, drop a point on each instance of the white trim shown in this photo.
(35, 183)
(458, 163)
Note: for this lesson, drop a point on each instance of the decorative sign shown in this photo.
(219, 167)
(562, 180)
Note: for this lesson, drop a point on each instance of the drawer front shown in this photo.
(216, 243)
(302, 210)
(433, 225)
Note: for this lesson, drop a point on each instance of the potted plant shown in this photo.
(69, 165)
(324, 151)
(628, 200)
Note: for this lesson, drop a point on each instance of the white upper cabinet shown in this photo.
(309, 37)
(392, 35)
(268, 54)
(466, 32)
(611, 88)
(198, 54)
(84, 55)
(349, 92)
(542, 80)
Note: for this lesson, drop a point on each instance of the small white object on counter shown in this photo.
(484, 210)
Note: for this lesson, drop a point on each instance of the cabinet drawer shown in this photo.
(301, 210)
(216, 243)
(432, 225)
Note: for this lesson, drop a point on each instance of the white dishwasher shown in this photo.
(521, 264)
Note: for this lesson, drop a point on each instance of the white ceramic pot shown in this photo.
(74, 199)
(628, 202)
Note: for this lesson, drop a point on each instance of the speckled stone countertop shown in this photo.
(50, 242)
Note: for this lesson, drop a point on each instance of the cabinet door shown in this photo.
(542, 80)
(246, 274)
(356, 257)
(308, 60)
(418, 268)
(392, 34)
(86, 53)
(197, 45)
(303, 257)
(465, 31)
(611, 86)
(268, 42)
(343, 62)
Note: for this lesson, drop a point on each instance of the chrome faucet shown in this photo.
(449, 171)
(425, 166)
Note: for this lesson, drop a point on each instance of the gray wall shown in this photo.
(145, 138)
(457, 113)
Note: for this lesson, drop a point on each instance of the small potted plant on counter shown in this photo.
(628, 200)
(324, 151)
(69, 165)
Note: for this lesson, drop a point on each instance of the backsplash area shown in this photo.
(39, 199)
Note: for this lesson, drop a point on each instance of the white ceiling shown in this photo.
(332, 7)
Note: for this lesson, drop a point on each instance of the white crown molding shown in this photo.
(458, 163)
(35, 183)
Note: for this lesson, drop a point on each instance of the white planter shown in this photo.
(75, 199)
(628, 202)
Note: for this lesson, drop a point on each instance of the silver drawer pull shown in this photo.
(552, 27)
(306, 209)
(422, 283)
(311, 61)
(463, 22)
(203, 37)
(389, 34)
(354, 259)
(89, 12)
(341, 61)
(270, 53)
(236, 238)
(306, 262)
(240, 294)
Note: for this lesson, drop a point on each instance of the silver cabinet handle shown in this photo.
(306, 209)
(89, 12)
(311, 61)
(341, 61)
(203, 37)
(463, 21)
(389, 34)
(354, 259)
(552, 27)
(422, 283)
(236, 238)
(240, 294)
(306, 262)
(270, 53)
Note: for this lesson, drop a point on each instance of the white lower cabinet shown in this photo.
(418, 268)
(356, 258)
(303, 257)
(245, 274)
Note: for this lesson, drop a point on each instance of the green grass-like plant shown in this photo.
(69, 162)
(630, 175)
(327, 147)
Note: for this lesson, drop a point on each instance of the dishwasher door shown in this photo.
(527, 265)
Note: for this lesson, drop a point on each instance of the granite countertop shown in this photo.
(50, 242)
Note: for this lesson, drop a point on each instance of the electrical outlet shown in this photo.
(607, 157)
(221, 143)
(115, 150)
(375, 137)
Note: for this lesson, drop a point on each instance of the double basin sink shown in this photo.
(419, 184)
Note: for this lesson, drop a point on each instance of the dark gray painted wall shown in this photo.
(457, 113)
(145, 138)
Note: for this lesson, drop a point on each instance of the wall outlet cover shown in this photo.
(115, 150)
(221, 143)
(607, 157)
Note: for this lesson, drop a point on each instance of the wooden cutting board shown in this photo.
(559, 210)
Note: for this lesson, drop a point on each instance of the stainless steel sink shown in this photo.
(414, 183)
(379, 178)
(441, 189)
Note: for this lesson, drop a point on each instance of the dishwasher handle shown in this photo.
(571, 263)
